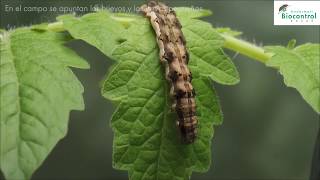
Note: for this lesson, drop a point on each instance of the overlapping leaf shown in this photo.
(101, 27)
(300, 69)
(97, 29)
(143, 121)
(146, 141)
(37, 92)
(204, 44)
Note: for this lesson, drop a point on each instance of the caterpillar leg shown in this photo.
(161, 55)
(177, 123)
(167, 73)
(173, 107)
(174, 103)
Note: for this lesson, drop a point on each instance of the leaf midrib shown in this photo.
(145, 56)
(7, 40)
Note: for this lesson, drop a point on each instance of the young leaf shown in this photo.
(97, 29)
(204, 44)
(104, 31)
(37, 92)
(146, 141)
(300, 69)
(204, 41)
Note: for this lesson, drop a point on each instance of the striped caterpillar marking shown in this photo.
(174, 55)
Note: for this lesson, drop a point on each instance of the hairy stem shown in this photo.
(246, 48)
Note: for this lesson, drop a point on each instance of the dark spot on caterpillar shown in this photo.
(179, 113)
(168, 55)
(190, 77)
(159, 20)
(164, 38)
(160, 38)
(186, 57)
(173, 76)
(185, 77)
(180, 94)
(191, 94)
(172, 11)
(177, 23)
(189, 114)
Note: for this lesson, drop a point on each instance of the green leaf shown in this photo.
(101, 27)
(97, 29)
(191, 13)
(37, 92)
(204, 44)
(228, 31)
(40, 27)
(300, 69)
(146, 141)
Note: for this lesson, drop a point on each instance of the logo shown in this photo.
(296, 13)
(283, 8)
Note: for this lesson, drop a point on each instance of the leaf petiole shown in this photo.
(246, 48)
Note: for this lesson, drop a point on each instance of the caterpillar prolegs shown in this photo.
(174, 55)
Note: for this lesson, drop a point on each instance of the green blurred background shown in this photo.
(269, 131)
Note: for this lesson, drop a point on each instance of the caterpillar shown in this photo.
(174, 56)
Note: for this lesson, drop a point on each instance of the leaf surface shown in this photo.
(37, 92)
(191, 13)
(300, 69)
(97, 29)
(105, 31)
(147, 142)
(204, 45)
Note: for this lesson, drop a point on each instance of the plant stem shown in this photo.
(246, 48)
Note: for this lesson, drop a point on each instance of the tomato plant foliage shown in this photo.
(146, 141)
(38, 90)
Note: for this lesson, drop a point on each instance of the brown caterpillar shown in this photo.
(174, 55)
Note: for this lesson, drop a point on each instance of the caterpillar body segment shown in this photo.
(175, 57)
